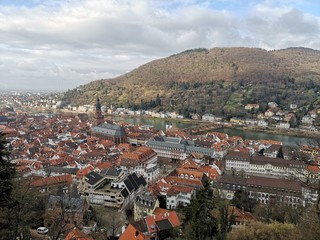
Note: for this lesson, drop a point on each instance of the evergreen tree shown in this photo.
(199, 216)
(7, 173)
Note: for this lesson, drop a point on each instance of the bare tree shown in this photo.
(25, 211)
(64, 211)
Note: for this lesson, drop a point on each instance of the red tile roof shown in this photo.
(132, 233)
(159, 210)
(76, 234)
(170, 215)
(184, 182)
(82, 172)
(104, 165)
(190, 164)
(190, 173)
(241, 216)
(313, 168)
(174, 190)
(210, 172)
(52, 181)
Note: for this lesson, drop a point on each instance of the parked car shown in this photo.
(42, 230)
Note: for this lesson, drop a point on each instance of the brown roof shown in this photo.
(241, 216)
(174, 190)
(280, 162)
(274, 183)
(51, 181)
(184, 182)
(238, 156)
(273, 148)
(229, 179)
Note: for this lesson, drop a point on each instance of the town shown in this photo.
(273, 118)
(107, 178)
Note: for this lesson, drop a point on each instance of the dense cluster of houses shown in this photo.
(121, 166)
(279, 118)
(274, 116)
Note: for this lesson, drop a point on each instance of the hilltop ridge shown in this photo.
(213, 77)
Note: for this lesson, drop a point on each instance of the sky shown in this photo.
(62, 44)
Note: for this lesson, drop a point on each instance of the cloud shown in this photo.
(62, 44)
(276, 28)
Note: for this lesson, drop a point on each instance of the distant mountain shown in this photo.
(219, 80)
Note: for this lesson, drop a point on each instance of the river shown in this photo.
(247, 134)
(159, 123)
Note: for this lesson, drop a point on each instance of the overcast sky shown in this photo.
(61, 44)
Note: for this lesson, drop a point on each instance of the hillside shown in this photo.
(219, 80)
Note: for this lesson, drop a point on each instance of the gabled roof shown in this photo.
(132, 233)
(110, 129)
(76, 234)
(193, 173)
(286, 184)
(84, 171)
(159, 211)
(72, 171)
(104, 166)
(171, 216)
(241, 216)
(190, 164)
(211, 172)
(52, 181)
(93, 177)
(273, 148)
(141, 225)
(174, 190)
(164, 224)
(238, 156)
(280, 162)
(184, 182)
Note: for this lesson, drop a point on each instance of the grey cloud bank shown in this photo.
(75, 42)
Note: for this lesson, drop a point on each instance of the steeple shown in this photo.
(98, 105)
(98, 115)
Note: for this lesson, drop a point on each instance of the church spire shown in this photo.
(98, 105)
(98, 115)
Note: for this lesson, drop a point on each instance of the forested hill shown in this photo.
(219, 81)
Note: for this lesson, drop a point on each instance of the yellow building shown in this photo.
(144, 205)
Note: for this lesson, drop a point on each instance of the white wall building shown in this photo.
(238, 161)
(178, 196)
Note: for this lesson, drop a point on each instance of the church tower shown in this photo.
(98, 114)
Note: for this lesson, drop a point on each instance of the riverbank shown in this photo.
(286, 132)
(271, 130)
(160, 123)
(171, 120)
